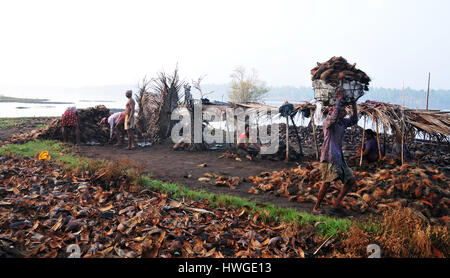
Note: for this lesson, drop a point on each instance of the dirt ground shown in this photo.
(175, 166)
(21, 126)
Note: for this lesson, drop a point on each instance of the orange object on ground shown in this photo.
(44, 155)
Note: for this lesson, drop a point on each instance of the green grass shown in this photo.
(268, 212)
(325, 226)
(12, 122)
(56, 149)
(40, 125)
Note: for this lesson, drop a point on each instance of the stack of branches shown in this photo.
(393, 117)
(160, 104)
(143, 100)
(337, 69)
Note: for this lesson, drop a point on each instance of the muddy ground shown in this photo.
(182, 167)
(8, 127)
(167, 165)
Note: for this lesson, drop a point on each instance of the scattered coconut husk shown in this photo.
(423, 189)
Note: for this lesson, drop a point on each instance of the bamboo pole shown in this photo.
(428, 91)
(362, 142)
(287, 138)
(403, 119)
(378, 140)
(314, 134)
(298, 137)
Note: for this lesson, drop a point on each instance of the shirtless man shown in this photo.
(129, 119)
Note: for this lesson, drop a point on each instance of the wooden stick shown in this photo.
(362, 142)
(403, 119)
(378, 140)
(298, 137)
(287, 138)
(314, 133)
(428, 91)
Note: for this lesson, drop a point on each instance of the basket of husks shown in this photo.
(338, 73)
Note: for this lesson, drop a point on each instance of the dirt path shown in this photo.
(174, 166)
(20, 125)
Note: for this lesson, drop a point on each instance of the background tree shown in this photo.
(198, 86)
(246, 87)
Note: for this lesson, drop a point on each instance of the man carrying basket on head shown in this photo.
(333, 165)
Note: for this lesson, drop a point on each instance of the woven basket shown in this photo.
(327, 95)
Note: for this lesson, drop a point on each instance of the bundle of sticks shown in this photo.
(337, 69)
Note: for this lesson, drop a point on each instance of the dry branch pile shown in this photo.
(424, 189)
(156, 100)
(88, 120)
(338, 69)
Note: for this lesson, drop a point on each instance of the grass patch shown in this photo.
(40, 125)
(12, 122)
(268, 212)
(56, 149)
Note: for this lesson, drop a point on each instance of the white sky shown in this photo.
(84, 43)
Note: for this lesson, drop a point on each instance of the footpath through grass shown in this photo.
(64, 155)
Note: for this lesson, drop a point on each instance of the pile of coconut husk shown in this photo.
(88, 120)
(423, 189)
(338, 69)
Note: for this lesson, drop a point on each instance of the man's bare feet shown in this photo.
(317, 210)
(335, 205)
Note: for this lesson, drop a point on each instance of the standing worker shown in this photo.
(69, 123)
(129, 119)
(333, 165)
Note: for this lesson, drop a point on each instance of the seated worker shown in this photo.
(245, 147)
(69, 123)
(397, 148)
(112, 120)
(370, 150)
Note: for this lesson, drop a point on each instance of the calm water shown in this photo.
(14, 109)
(111, 97)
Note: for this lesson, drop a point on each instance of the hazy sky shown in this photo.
(83, 43)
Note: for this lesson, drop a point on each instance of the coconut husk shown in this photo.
(337, 69)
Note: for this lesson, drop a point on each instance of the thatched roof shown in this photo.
(433, 122)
